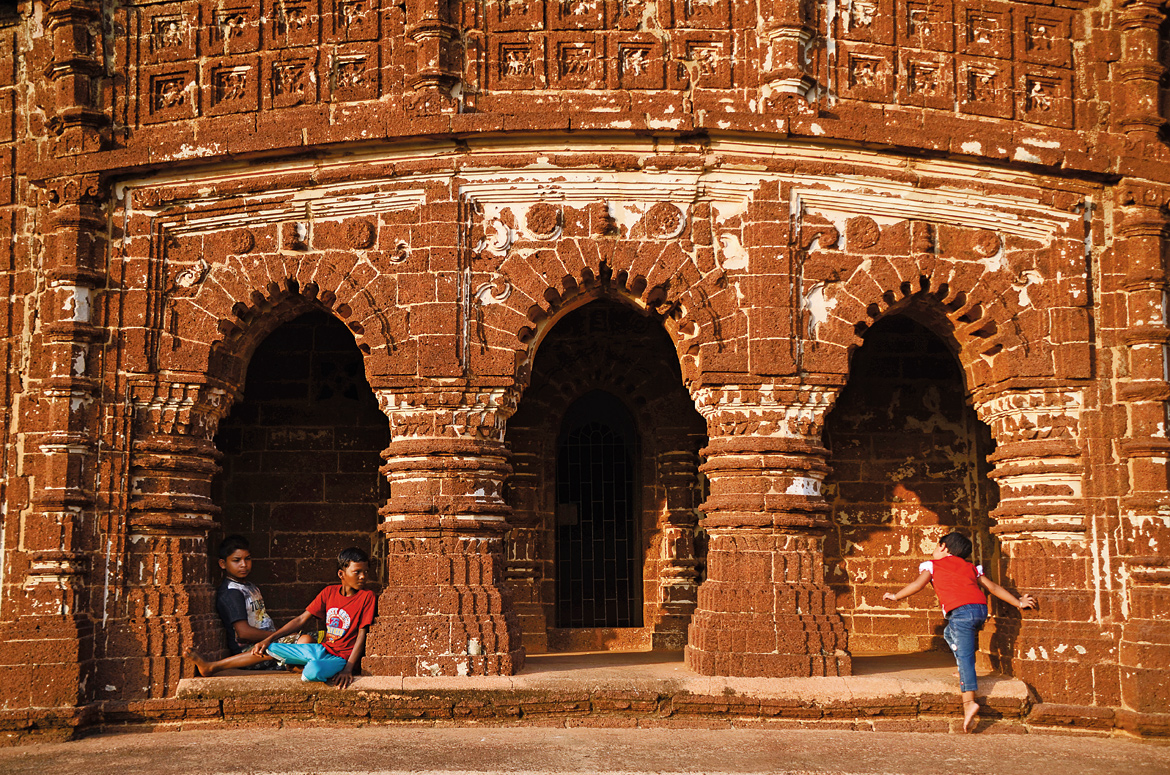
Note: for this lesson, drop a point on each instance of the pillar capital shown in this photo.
(765, 460)
(1037, 461)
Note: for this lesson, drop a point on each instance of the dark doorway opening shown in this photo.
(300, 475)
(599, 566)
(909, 459)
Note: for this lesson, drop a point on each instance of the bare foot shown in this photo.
(970, 711)
(200, 663)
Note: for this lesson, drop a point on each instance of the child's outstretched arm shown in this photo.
(246, 633)
(914, 587)
(343, 679)
(294, 626)
(1023, 601)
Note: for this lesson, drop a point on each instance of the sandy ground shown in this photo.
(530, 750)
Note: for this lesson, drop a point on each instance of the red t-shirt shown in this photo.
(955, 581)
(343, 617)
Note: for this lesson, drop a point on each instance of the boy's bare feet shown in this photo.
(970, 711)
(200, 663)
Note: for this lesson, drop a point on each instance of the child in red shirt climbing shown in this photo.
(347, 609)
(957, 583)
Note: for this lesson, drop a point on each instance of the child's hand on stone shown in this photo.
(1027, 601)
(890, 596)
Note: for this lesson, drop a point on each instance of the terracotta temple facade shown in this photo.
(604, 324)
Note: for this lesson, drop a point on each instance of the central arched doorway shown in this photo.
(602, 551)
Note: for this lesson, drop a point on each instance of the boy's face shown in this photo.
(353, 576)
(238, 564)
(941, 551)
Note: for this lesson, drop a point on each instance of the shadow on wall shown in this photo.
(300, 473)
(909, 465)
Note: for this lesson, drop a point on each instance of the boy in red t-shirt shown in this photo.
(347, 610)
(956, 582)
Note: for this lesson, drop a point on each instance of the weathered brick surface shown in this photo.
(453, 183)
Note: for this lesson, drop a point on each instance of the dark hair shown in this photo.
(232, 544)
(957, 544)
(351, 555)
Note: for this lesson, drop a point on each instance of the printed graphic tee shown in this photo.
(239, 601)
(955, 581)
(343, 617)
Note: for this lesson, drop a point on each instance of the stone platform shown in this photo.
(623, 689)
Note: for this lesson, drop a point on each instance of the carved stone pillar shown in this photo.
(526, 565)
(1042, 527)
(786, 31)
(1143, 237)
(57, 423)
(168, 600)
(443, 610)
(1140, 69)
(433, 26)
(764, 609)
(79, 123)
(676, 567)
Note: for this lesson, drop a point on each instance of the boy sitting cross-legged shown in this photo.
(241, 609)
(347, 610)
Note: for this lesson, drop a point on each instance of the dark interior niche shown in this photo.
(301, 451)
(909, 465)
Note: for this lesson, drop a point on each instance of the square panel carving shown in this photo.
(577, 61)
(984, 86)
(637, 62)
(514, 15)
(577, 14)
(355, 73)
(926, 24)
(232, 26)
(866, 72)
(353, 19)
(703, 58)
(1044, 96)
(1044, 36)
(926, 80)
(171, 32)
(293, 23)
(985, 29)
(515, 62)
(628, 14)
(290, 78)
(871, 21)
(167, 93)
(231, 86)
(701, 14)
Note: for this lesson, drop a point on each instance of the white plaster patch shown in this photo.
(818, 307)
(804, 485)
(735, 257)
(972, 146)
(1022, 154)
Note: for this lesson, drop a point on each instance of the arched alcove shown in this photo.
(605, 383)
(300, 461)
(909, 465)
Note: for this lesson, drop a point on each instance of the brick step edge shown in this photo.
(600, 709)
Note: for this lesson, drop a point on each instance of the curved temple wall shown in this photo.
(763, 180)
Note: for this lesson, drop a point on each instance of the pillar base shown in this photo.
(442, 612)
(785, 625)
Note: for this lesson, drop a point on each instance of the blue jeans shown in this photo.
(319, 664)
(962, 635)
